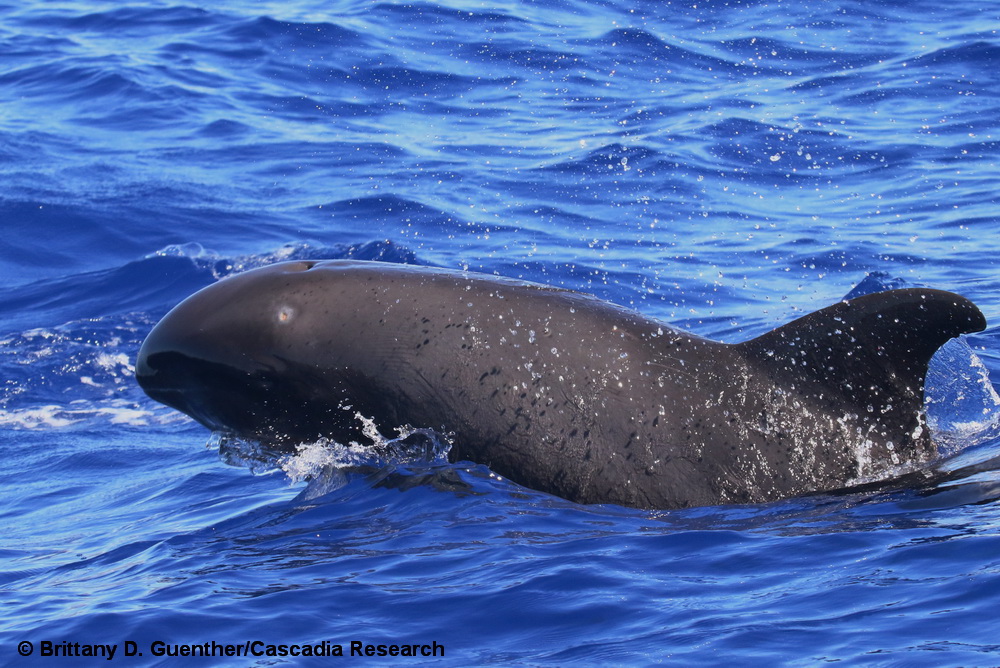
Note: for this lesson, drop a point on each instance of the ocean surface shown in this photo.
(722, 166)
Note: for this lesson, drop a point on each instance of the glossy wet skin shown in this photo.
(551, 388)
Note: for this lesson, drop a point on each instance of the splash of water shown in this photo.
(963, 408)
(314, 459)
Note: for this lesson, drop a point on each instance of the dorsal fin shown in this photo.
(871, 352)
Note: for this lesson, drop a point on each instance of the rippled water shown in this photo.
(725, 166)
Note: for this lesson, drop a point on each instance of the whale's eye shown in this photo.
(285, 313)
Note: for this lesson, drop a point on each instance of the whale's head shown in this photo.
(246, 355)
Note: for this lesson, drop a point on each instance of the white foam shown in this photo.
(53, 416)
(318, 457)
(311, 459)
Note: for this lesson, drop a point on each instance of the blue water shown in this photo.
(724, 166)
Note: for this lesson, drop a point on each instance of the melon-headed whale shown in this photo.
(554, 389)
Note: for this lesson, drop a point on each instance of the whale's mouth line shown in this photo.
(269, 404)
(213, 393)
